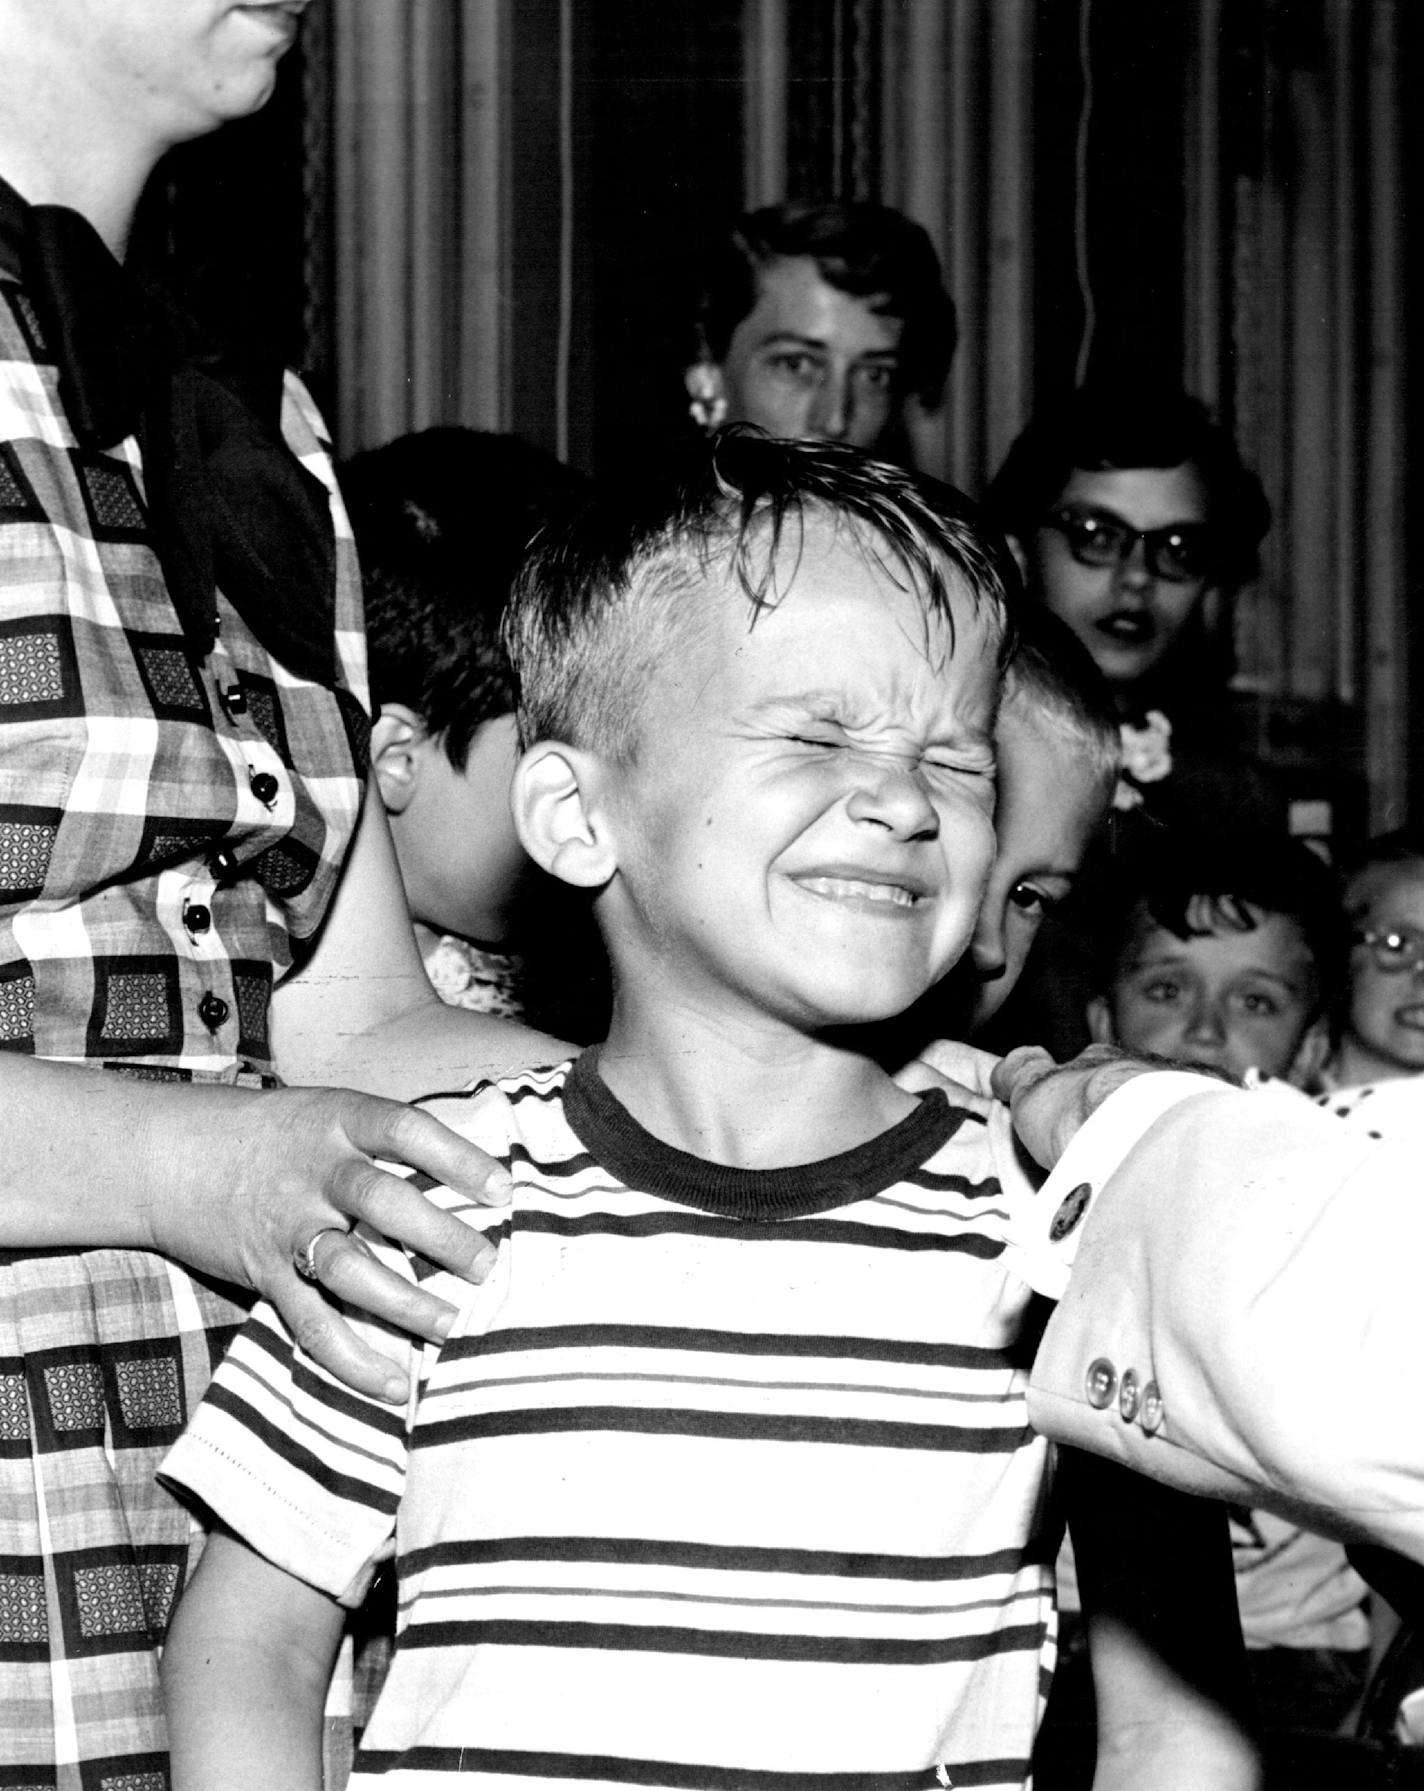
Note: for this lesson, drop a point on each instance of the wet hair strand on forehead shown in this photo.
(607, 597)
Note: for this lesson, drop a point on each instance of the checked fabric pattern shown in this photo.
(169, 825)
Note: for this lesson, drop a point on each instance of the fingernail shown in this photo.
(500, 1187)
(443, 1325)
(394, 1392)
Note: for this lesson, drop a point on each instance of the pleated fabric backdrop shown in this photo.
(505, 199)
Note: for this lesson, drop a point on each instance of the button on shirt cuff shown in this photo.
(1046, 1231)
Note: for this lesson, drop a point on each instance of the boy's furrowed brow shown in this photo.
(831, 702)
(1295, 978)
(1169, 958)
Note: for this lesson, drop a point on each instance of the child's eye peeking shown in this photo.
(1030, 901)
(1161, 989)
(1260, 1005)
(877, 378)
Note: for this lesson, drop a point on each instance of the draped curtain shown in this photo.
(441, 193)
(1297, 322)
(506, 199)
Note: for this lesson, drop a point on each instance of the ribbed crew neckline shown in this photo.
(639, 1160)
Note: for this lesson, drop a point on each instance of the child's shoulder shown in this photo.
(515, 1117)
(488, 1095)
(490, 1107)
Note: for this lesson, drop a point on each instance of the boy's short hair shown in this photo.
(1107, 427)
(1055, 676)
(1227, 875)
(866, 250)
(442, 519)
(606, 596)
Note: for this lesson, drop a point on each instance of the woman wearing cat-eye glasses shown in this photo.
(1134, 520)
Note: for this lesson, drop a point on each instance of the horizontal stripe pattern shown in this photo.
(685, 1499)
(495, 1766)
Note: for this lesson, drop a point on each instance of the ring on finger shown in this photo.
(304, 1256)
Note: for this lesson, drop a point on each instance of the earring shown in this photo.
(708, 408)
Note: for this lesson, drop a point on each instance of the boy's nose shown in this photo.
(1204, 1026)
(894, 796)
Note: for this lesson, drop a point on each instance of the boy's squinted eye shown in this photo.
(1161, 989)
(1254, 1001)
(962, 767)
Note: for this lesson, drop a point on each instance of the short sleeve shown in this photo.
(306, 1471)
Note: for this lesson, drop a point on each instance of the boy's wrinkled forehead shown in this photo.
(767, 569)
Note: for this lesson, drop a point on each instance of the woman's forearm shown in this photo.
(234, 1183)
(91, 1158)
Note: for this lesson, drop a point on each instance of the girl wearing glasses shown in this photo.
(1134, 520)
(1382, 1037)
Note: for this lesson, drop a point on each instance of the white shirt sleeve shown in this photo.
(1044, 1232)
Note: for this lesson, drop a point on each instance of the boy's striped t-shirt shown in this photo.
(723, 1478)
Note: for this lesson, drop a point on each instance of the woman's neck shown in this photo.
(56, 150)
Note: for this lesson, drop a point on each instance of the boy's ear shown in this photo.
(558, 817)
(1016, 548)
(1100, 1022)
(398, 740)
(1310, 1056)
(703, 383)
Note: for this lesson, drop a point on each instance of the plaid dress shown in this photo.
(169, 825)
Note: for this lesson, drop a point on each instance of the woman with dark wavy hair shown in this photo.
(1135, 521)
(818, 322)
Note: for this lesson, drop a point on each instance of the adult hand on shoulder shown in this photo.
(286, 1173)
(1050, 1101)
(962, 1071)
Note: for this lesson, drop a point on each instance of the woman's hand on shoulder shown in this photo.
(962, 1071)
(281, 1177)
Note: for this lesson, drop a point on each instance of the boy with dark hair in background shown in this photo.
(442, 521)
(1224, 953)
(1228, 957)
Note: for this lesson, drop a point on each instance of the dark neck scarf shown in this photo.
(230, 506)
